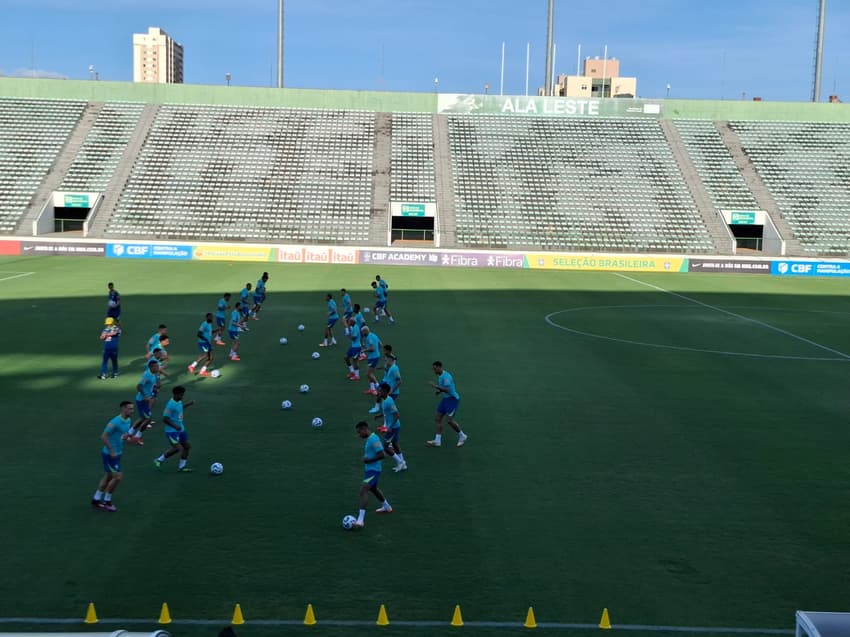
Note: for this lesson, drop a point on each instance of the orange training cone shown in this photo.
(383, 620)
(91, 614)
(309, 616)
(605, 622)
(457, 619)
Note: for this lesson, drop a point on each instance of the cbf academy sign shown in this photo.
(547, 106)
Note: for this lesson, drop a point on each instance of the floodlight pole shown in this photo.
(280, 43)
(819, 51)
(547, 87)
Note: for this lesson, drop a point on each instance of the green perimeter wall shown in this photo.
(91, 91)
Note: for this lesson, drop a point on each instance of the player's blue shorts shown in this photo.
(143, 408)
(391, 436)
(371, 477)
(448, 406)
(219, 321)
(373, 362)
(177, 437)
(394, 396)
(204, 347)
(113, 312)
(110, 464)
(234, 334)
(353, 352)
(348, 314)
(259, 298)
(245, 309)
(332, 321)
(380, 304)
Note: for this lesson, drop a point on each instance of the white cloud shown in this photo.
(35, 73)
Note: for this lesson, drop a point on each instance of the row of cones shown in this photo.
(310, 617)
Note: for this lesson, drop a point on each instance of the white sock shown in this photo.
(460, 434)
(351, 368)
(107, 497)
(204, 368)
(438, 438)
(182, 463)
(333, 341)
(361, 515)
(386, 505)
(193, 365)
(161, 458)
(138, 434)
(400, 458)
(357, 373)
(98, 495)
(373, 385)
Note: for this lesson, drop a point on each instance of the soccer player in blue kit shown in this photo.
(146, 390)
(204, 346)
(175, 430)
(113, 437)
(373, 453)
(333, 317)
(353, 354)
(447, 407)
(391, 427)
(221, 317)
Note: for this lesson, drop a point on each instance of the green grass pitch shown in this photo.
(615, 458)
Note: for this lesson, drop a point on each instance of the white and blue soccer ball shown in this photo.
(304, 388)
(300, 328)
(215, 373)
(365, 310)
(315, 356)
(216, 468)
(317, 422)
(286, 404)
(348, 522)
(283, 340)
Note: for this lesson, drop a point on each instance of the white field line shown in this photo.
(739, 316)
(16, 275)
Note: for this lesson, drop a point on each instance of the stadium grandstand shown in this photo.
(120, 160)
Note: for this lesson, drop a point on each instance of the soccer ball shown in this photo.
(300, 328)
(348, 522)
(315, 356)
(216, 468)
(317, 422)
(283, 340)
(215, 373)
(304, 388)
(112, 304)
(365, 310)
(286, 404)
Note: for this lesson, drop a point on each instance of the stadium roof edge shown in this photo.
(100, 91)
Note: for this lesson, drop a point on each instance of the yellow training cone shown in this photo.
(91, 615)
(309, 616)
(457, 619)
(164, 615)
(383, 620)
(605, 622)
(530, 622)
(237, 616)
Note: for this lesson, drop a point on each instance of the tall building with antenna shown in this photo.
(157, 58)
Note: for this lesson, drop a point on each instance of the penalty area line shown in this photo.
(648, 628)
(738, 316)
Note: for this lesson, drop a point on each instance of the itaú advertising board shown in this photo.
(313, 254)
(608, 262)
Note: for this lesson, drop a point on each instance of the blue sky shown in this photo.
(705, 50)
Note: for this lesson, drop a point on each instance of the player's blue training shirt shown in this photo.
(447, 381)
(332, 313)
(205, 333)
(355, 336)
(260, 288)
(154, 341)
(373, 447)
(372, 346)
(114, 430)
(346, 303)
(384, 286)
(392, 376)
(381, 294)
(221, 308)
(359, 321)
(235, 317)
(174, 412)
(148, 382)
(391, 418)
(243, 296)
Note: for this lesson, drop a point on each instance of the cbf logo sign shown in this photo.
(128, 250)
(793, 268)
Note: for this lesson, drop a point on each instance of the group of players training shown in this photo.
(364, 346)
